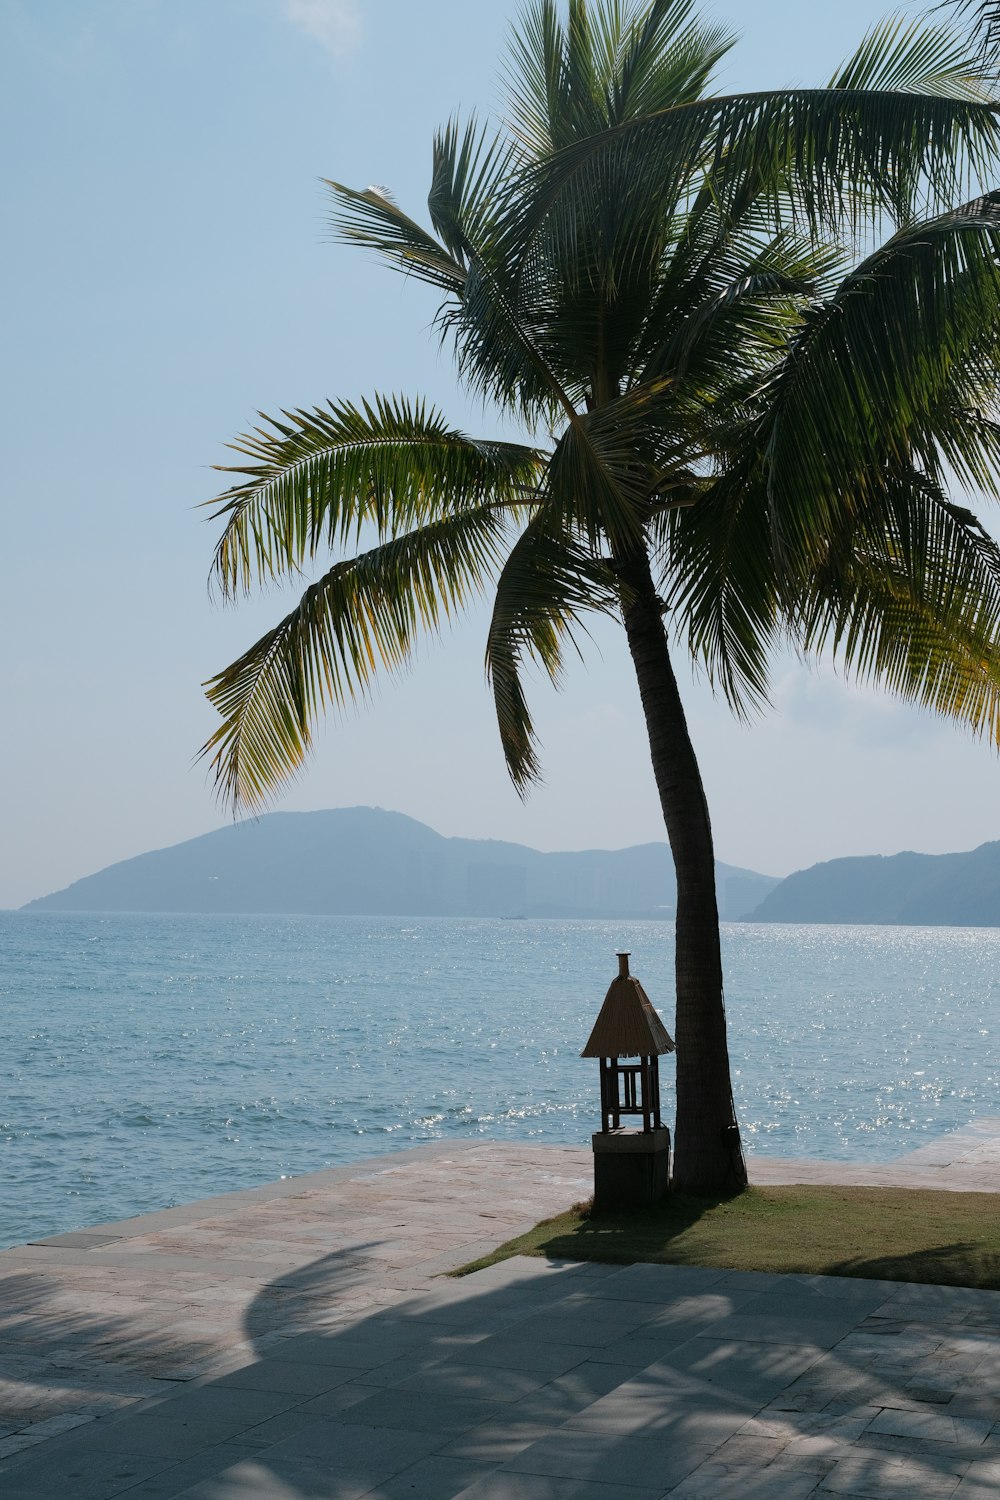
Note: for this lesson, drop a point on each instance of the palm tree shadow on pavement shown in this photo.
(77, 1345)
(553, 1371)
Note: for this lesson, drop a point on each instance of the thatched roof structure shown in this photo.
(627, 1026)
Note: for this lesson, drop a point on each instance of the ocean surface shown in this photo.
(148, 1061)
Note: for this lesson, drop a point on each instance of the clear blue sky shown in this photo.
(166, 273)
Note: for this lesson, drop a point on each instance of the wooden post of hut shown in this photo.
(631, 1162)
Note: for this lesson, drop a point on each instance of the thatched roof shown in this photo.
(627, 1026)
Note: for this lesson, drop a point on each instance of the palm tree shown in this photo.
(751, 340)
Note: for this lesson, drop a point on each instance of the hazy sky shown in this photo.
(167, 272)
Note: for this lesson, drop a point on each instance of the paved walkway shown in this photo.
(966, 1161)
(297, 1342)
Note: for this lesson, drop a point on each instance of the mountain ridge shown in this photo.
(903, 890)
(372, 862)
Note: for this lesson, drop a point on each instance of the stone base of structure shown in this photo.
(631, 1167)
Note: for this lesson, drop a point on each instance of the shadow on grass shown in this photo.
(962, 1264)
(867, 1234)
(624, 1236)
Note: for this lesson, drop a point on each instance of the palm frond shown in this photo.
(833, 157)
(604, 65)
(911, 602)
(968, 442)
(985, 17)
(913, 56)
(606, 465)
(737, 309)
(315, 478)
(855, 388)
(534, 76)
(498, 353)
(364, 616)
(468, 168)
(371, 219)
(719, 586)
(548, 584)
(665, 58)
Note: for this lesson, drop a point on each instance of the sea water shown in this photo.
(151, 1060)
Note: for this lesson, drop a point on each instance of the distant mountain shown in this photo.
(933, 890)
(366, 862)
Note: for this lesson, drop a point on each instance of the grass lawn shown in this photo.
(896, 1234)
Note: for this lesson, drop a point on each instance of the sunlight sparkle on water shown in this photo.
(152, 1060)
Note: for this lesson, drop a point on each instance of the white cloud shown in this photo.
(335, 24)
(818, 699)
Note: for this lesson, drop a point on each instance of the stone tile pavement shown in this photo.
(965, 1161)
(298, 1342)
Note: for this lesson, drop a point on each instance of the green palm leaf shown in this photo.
(837, 156)
(318, 478)
(985, 18)
(548, 583)
(365, 615)
(603, 66)
(719, 585)
(372, 219)
(914, 57)
(912, 604)
(468, 168)
(852, 393)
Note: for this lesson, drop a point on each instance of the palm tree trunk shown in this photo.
(708, 1155)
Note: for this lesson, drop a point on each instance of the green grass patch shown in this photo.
(893, 1234)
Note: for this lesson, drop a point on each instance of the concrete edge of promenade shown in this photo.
(964, 1160)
